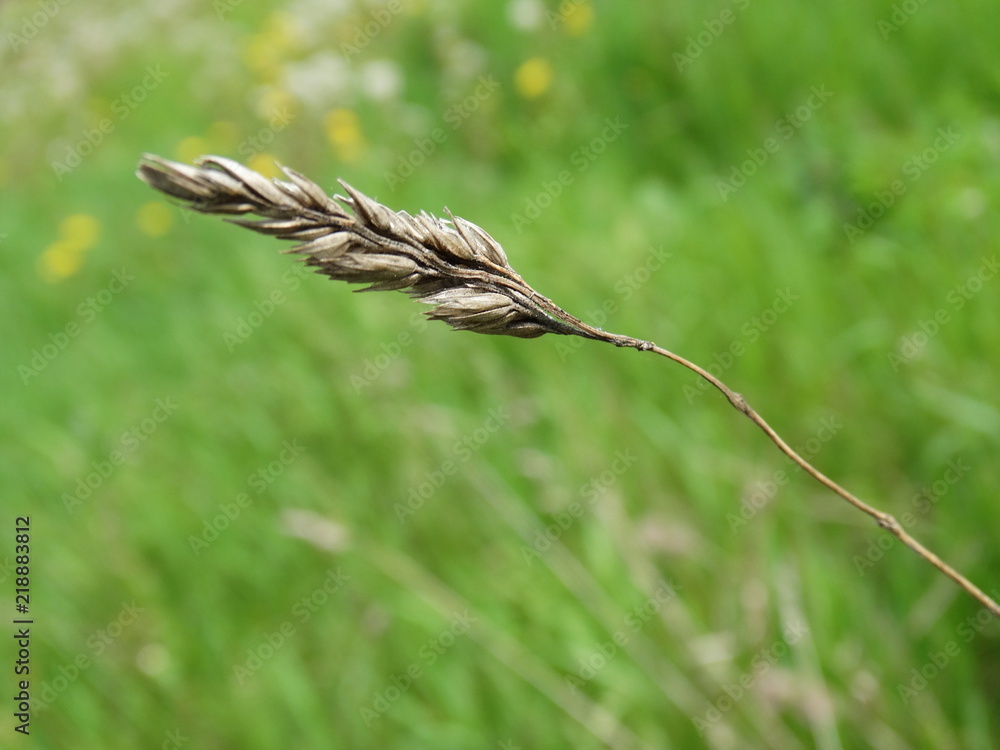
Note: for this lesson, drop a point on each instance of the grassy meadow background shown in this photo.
(266, 512)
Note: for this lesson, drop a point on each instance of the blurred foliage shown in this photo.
(266, 512)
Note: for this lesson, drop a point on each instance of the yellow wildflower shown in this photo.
(154, 218)
(533, 77)
(343, 130)
(64, 257)
(578, 18)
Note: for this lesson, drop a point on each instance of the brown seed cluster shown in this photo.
(450, 264)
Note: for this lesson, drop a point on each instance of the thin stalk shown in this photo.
(883, 519)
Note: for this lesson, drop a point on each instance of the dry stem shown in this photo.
(450, 264)
(885, 520)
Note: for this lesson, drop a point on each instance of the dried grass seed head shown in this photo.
(451, 264)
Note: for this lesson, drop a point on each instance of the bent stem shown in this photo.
(885, 520)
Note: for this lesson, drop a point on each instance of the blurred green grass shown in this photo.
(169, 674)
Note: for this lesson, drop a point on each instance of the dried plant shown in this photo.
(451, 264)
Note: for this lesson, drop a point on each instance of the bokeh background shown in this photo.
(267, 512)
